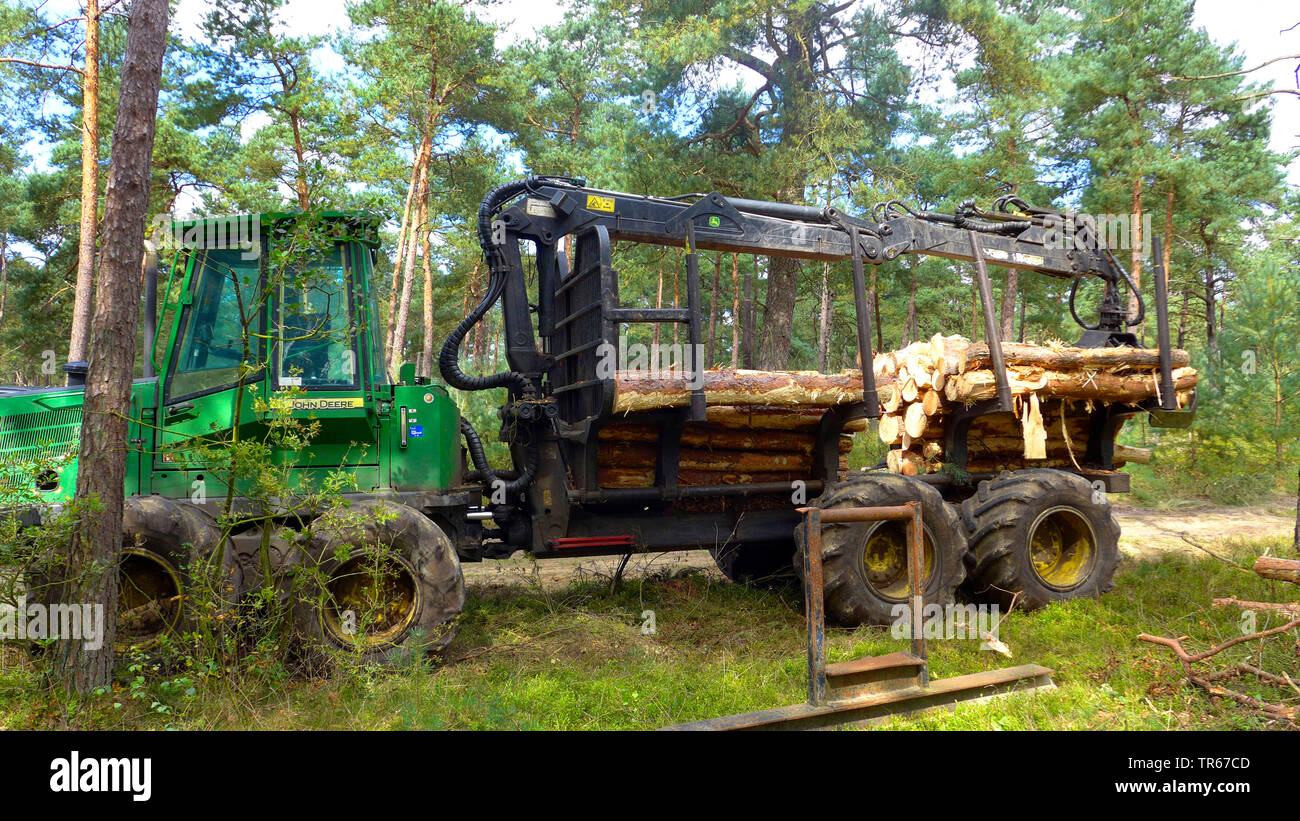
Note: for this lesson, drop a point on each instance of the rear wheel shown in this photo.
(1046, 535)
(864, 564)
(383, 582)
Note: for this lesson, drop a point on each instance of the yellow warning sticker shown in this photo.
(599, 203)
(343, 403)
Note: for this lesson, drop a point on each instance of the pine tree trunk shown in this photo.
(874, 296)
(1009, 306)
(1295, 543)
(480, 330)
(659, 303)
(81, 307)
(101, 470)
(713, 312)
(408, 274)
(1211, 331)
(747, 329)
(300, 155)
(735, 310)
(1135, 255)
(910, 330)
(4, 275)
(1182, 321)
(427, 357)
(1020, 337)
(824, 325)
(399, 260)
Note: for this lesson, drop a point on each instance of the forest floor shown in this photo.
(549, 645)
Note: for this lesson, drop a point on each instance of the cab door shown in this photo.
(218, 337)
(318, 358)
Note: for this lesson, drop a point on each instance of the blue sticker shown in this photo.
(416, 430)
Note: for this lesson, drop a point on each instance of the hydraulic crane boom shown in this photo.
(548, 367)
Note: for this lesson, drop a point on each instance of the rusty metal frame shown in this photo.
(868, 689)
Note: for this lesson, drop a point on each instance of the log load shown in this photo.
(762, 425)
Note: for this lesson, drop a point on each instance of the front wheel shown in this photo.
(1040, 536)
(379, 580)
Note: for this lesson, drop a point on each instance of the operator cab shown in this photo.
(278, 303)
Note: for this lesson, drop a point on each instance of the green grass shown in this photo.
(576, 659)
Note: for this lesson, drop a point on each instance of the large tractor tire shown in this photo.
(383, 582)
(164, 542)
(760, 564)
(1045, 535)
(864, 564)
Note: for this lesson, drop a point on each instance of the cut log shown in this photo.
(1283, 570)
(1130, 454)
(617, 454)
(623, 477)
(891, 401)
(1106, 387)
(711, 437)
(1035, 436)
(915, 420)
(976, 355)
(910, 390)
(762, 417)
(889, 428)
(636, 391)
(905, 462)
(931, 402)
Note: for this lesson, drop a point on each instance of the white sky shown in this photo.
(1255, 25)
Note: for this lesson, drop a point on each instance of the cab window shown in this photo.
(316, 333)
(223, 308)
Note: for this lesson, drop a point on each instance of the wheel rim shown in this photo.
(884, 559)
(1062, 548)
(372, 600)
(149, 597)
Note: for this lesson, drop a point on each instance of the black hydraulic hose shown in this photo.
(489, 477)
(449, 356)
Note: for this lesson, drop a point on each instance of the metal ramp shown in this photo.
(868, 689)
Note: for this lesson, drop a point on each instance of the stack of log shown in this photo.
(738, 444)
(1053, 389)
(762, 425)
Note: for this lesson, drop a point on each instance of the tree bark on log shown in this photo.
(638, 392)
(974, 386)
(1283, 570)
(721, 438)
(976, 355)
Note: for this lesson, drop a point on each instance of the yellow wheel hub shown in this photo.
(371, 601)
(148, 598)
(884, 559)
(1062, 548)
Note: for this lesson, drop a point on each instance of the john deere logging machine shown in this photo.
(425, 486)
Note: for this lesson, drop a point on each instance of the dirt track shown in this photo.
(1144, 533)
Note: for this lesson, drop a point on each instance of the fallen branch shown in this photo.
(1206, 681)
(1258, 605)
